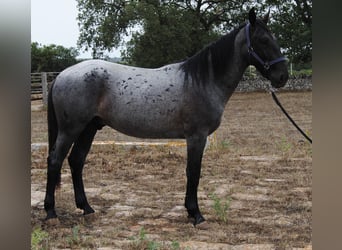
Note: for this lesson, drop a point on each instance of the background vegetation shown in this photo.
(157, 32)
(51, 58)
(164, 31)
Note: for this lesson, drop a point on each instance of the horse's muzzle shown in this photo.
(279, 78)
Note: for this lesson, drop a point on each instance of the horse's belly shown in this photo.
(147, 128)
(146, 121)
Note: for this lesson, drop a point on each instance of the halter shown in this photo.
(251, 51)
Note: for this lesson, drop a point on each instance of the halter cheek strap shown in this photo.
(266, 64)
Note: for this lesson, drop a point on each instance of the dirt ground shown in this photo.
(255, 187)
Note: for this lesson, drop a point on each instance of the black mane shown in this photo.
(197, 66)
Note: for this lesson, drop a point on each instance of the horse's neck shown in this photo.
(234, 72)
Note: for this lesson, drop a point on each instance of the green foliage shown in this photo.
(225, 144)
(291, 24)
(220, 207)
(167, 36)
(142, 234)
(74, 239)
(251, 72)
(175, 245)
(302, 72)
(142, 242)
(103, 24)
(285, 146)
(167, 31)
(75, 234)
(51, 58)
(39, 239)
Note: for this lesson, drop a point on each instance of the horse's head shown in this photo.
(264, 51)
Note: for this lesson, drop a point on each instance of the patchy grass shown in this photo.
(39, 239)
(220, 207)
(143, 242)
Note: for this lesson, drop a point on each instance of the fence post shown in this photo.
(44, 88)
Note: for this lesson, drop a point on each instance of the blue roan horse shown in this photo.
(182, 100)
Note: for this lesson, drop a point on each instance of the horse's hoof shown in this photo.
(88, 218)
(191, 220)
(52, 221)
(204, 225)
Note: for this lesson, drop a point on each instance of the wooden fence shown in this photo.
(40, 83)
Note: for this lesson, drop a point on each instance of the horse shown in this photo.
(182, 100)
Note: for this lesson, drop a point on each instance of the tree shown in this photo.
(164, 31)
(169, 30)
(156, 43)
(168, 34)
(293, 27)
(51, 58)
(104, 23)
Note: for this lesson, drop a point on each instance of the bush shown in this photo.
(51, 58)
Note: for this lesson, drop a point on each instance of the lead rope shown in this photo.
(288, 116)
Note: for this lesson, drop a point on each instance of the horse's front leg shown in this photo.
(195, 147)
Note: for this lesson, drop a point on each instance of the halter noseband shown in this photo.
(251, 51)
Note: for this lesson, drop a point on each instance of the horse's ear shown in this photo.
(266, 17)
(252, 16)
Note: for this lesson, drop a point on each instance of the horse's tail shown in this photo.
(52, 126)
(52, 121)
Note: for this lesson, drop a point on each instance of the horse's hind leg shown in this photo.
(55, 160)
(76, 161)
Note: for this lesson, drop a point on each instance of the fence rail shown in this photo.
(40, 83)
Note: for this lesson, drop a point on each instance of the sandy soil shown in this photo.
(256, 163)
